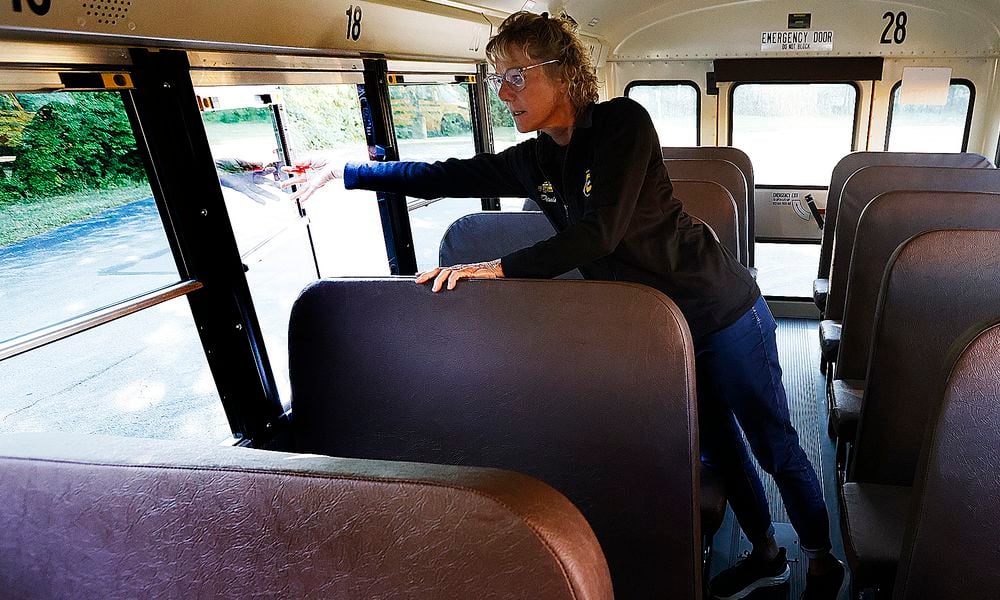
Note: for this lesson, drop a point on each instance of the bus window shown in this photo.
(674, 108)
(433, 122)
(925, 128)
(81, 232)
(794, 133)
(283, 252)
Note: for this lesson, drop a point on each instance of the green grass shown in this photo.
(26, 218)
(234, 132)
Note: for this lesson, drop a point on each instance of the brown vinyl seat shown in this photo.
(850, 164)
(952, 544)
(102, 517)
(860, 189)
(712, 204)
(888, 221)
(728, 176)
(491, 234)
(586, 385)
(742, 162)
(918, 317)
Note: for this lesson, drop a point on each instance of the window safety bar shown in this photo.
(100, 316)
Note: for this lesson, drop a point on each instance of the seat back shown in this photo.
(888, 221)
(742, 162)
(938, 284)
(869, 182)
(712, 204)
(848, 165)
(952, 544)
(488, 235)
(586, 385)
(101, 517)
(728, 176)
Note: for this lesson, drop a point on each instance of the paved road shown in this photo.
(142, 375)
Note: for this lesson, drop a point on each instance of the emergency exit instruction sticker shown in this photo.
(796, 41)
(784, 198)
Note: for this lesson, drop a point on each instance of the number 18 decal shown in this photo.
(353, 22)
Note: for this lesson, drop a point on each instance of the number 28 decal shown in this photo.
(353, 22)
(898, 21)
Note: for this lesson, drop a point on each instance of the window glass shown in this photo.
(149, 378)
(673, 108)
(925, 128)
(433, 122)
(79, 229)
(794, 133)
(341, 232)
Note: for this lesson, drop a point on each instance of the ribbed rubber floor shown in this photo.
(798, 350)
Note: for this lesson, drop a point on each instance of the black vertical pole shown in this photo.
(285, 154)
(377, 118)
(482, 129)
(167, 124)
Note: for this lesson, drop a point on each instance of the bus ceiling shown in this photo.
(623, 30)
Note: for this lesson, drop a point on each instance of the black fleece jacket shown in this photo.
(609, 198)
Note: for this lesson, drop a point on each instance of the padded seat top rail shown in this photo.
(848, 165)
(586, 385)
(869, 182)
(950, 547)
(888, 221)
(102, 517)
(938, 284)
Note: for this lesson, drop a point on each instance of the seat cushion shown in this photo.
(829, 339)
(846, 396)
(873, 519)
(821, 287)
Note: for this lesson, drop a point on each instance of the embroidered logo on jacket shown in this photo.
(586, 184)
(546, 193)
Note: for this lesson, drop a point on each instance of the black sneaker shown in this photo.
(825, 586)
(750, 574)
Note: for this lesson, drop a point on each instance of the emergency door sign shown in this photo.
(802, 40)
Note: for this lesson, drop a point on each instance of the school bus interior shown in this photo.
(209, 390)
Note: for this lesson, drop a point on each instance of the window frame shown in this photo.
(997, 159)
(670, 82)
(968, 115)
(854, 129)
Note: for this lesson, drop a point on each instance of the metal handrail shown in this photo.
(62, 330)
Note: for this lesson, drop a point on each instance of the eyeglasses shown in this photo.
(513, 77)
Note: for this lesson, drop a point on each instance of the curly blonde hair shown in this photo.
(542, 38)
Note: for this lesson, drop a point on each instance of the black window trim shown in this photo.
(670, 82)
(854, 128)
(997, 160)
(968, 115)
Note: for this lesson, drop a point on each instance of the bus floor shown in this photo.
(798, 350)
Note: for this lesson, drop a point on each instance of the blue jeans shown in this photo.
(739, 386)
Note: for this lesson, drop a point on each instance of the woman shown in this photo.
(598, 174)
